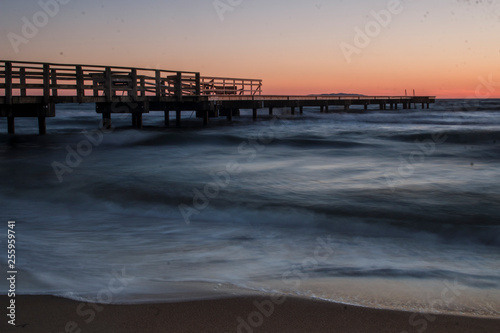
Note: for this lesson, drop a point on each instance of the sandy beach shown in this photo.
(241, 314)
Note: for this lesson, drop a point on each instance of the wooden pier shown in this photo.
(32, 89)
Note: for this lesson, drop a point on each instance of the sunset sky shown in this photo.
(448, 48)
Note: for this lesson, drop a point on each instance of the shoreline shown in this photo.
(246, 314)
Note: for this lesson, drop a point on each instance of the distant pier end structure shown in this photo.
(32, 89)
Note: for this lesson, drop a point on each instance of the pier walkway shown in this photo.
(32, 89)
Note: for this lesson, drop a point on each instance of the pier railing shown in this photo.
(229, 86)
(53, 82)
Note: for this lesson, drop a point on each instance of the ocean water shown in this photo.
(390, 209)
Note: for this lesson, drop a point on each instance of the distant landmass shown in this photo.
(337, 94)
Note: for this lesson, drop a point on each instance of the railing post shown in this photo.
(95, 85)
(8, 97)
(108, 82)
(178, 88)
(53, 81)
(133, 77)
(158, 83)
(80, 90)
(143, 87)
(46, 83)
(198, 84)
(8, 82)
(22, 80)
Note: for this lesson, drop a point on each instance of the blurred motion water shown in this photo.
(407, 195)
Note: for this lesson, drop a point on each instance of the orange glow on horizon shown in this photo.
(443, 50)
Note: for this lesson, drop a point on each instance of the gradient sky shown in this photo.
(437, 47)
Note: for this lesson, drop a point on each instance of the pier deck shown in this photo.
(32, 89)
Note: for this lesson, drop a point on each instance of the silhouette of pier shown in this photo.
(32, 89)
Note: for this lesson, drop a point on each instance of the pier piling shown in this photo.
(42, 126)
(205, 117)
(178, 118)
(167, 118)
(11, 125)
(106, 120)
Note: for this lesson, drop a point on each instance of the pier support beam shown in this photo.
(327, 108)
(167, 118)
(205, 117)
(346, 107)
(254, 114)
(270, 110)
(428, 105)
(42, 126)
(178, 118)
(301, 109)
(366, 106)
(137, 120)
(293, 110)
(106, 120)
(230, 113)
(11, 125)
(321, 109)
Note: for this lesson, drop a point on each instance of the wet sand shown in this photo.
(239, 314)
